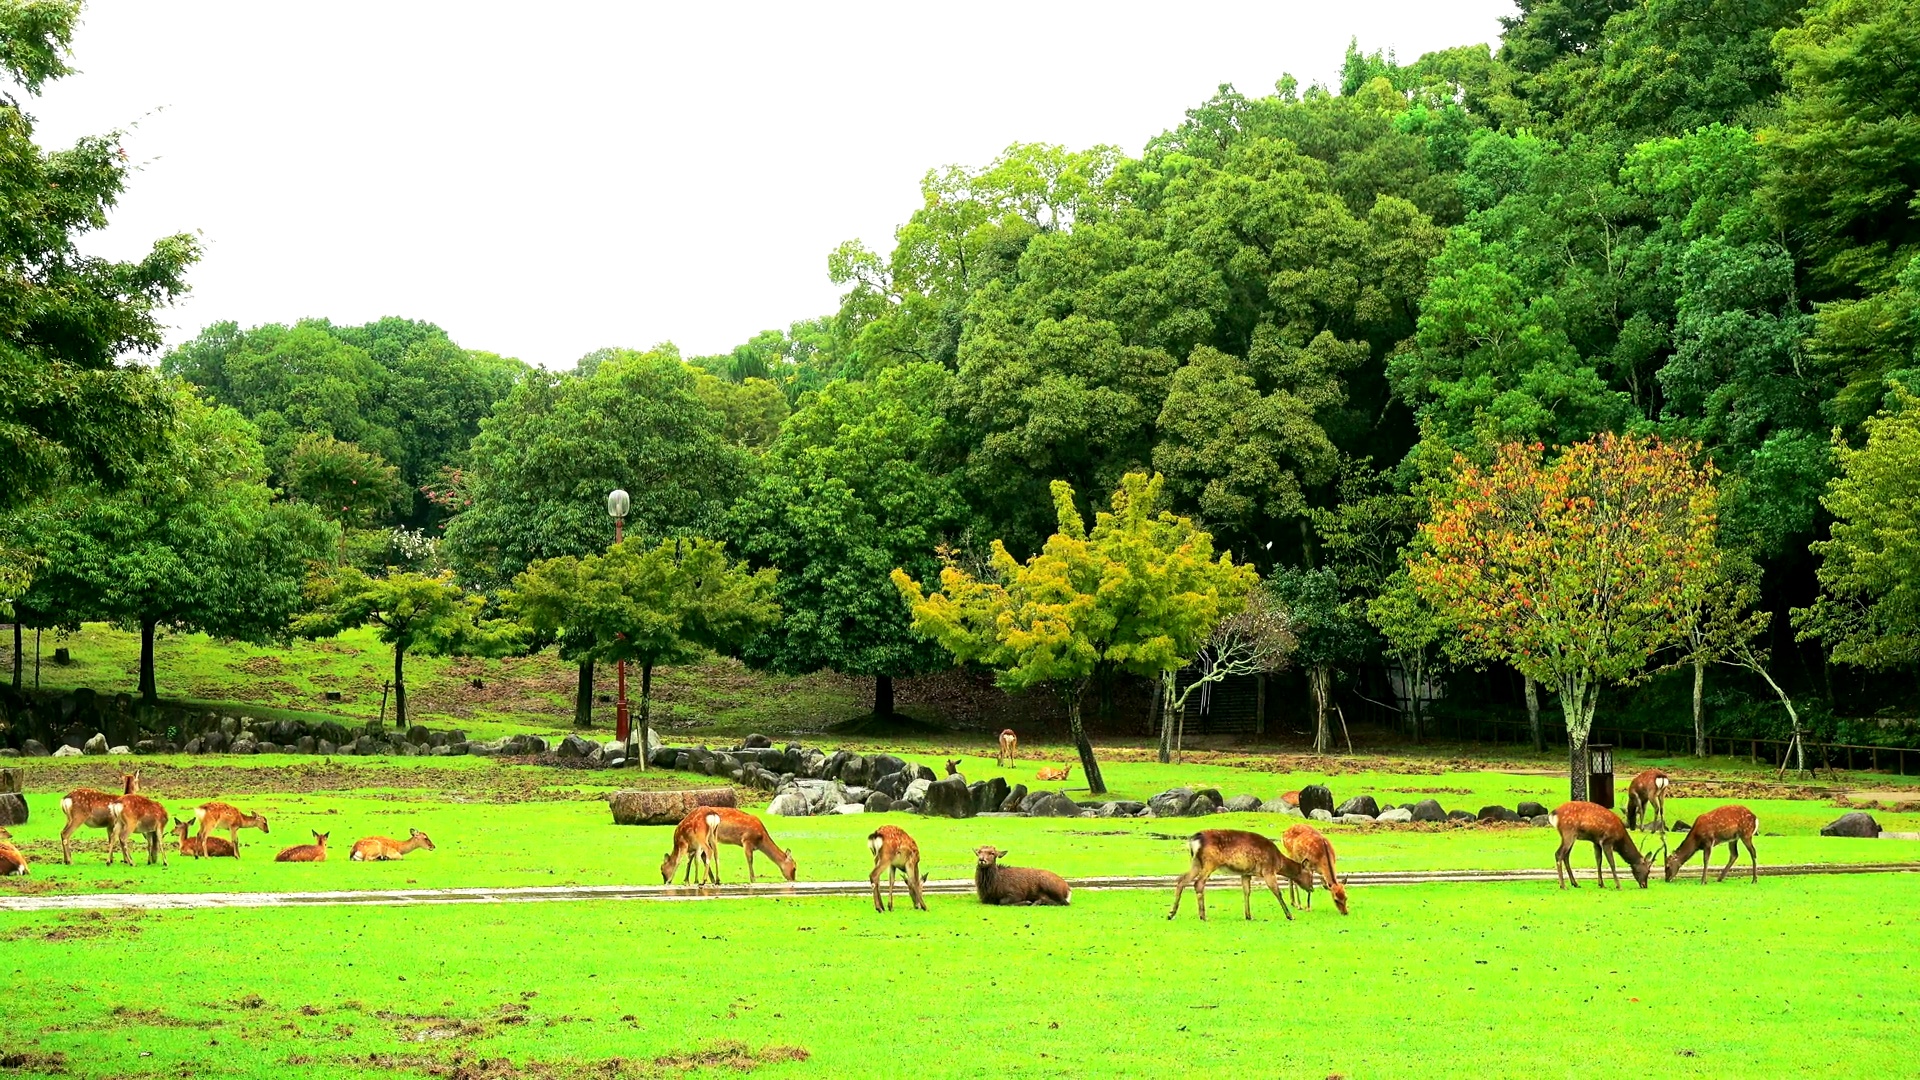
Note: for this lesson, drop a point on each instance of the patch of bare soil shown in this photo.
(1901, 802)
(30, 1061)
(155, 1018)
(724, 1054)
(79, 925)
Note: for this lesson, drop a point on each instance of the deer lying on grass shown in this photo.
(382, 849)
(210, 846)
(137, 815)
(314, 852)
(1048, 772)
(740, 827)
(1009, 743)
(693, 841)
(894, 851)
(1729, 825)
(1608, 834)
(218, 815)
(88, 807)
(1305, 845)
(11, 861)
(1248, 854)
(1006, 885)
(1648, 791)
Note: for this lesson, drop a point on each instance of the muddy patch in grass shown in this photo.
(79, 926)
(124, 1014)
(31, 1062)
(724, 1054)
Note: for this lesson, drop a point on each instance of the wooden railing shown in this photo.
(1852, 757)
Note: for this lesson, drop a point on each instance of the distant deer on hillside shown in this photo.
(1009, 745)
(1049, 772)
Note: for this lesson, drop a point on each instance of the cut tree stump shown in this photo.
(665, 807)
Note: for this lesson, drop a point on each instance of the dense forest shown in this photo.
(1318, 315)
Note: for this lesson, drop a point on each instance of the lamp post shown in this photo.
(617, 505)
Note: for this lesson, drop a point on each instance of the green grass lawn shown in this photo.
(1786, 977)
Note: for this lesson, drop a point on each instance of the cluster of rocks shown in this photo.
(1316, 802)
(251, 735)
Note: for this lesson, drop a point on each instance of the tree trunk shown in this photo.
(1417, 698)
(399, 685)
(639, 731)
(883, 696)
(1095, 784)
(1164, 715)
(19, 655)
(1699, 710)
(1533, 715)
(1317, 684)
(1576, 703)
(583, 696)
(148, 694)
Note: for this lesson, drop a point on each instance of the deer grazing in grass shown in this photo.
(218, 815)
(383, 849)
(1608, 834)
(1730, 825)
(1248, 854)
(314, 852)
(11, 861)
(1009, 744)
(1048, 772)
(693, 842)
(137, 815)
(1305, 845)
(210, 846)
(87, 807)
(894, 851)
(1648, 792)
(740, 827)
(1008, 885)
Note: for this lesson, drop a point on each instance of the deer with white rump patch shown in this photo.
(1648, 792)
(1248, 854)
(894, 851)
(1608, 834)
(1009, 742)
(138, 815)
(87, 808)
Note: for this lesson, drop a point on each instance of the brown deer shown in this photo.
(1048, 772)
(953, 768)
(1305, 845)
(693, 841)
(740, 827)
(382, 849)
(211, 846)
(137, 815)
(1608, 834)
(1648, 791)
(11, 861)
(88, 807)
(218, 815)
(1248, 854)
(1009, 744)
(1730, 825)
(1007, 885)
(314, 852)
(894, 851)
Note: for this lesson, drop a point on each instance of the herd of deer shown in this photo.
(1732, 825)
(130, 814)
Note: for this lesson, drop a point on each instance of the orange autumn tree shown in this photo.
(1576, 570)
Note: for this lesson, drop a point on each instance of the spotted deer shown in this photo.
(894, 851)
(382, 849)
(1248, 854)
(1730, 825)
(87, 808)
(1648, 792)
(1603, 828)
(314, 852)
(210, 846)
(218, 815)
(1049, 772)
(1009, 744)
(137, 815)
(1306, 846)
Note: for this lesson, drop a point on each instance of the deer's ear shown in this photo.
(998, 854)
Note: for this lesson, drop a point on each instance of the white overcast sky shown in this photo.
(546, 179)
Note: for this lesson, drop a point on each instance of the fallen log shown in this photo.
(665, 807)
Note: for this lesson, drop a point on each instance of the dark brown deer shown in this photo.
(1608, 834)
(894, 851)
(1648, 792)
(1005, 885)
(87, 808)
(1730, 825)
(1248, 854)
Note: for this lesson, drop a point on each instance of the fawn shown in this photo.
(11, 861)
(1731, 825)
(218, 815)
(1305, 845)
(1608, 834)
(382, 849)
(87, 807)
(693, 841)
(314, 852)
(1009, 743)
(1248, 854)
(895, 851)
(1048, 772)
(1648, 791)
(137, 814)
(210, 846)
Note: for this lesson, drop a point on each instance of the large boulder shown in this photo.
(813, 763)
(1242, 804)
(1460, 815)
(1053, 804)
(1393, 815)
(13, 809)
(856, 771)
(1360, 804)
(1204, 803)
(916, 794)
(893, 784)
(97, 744)
(1855, 824)
(1172, 803)
(1316, 797)
(573, 746)
(1318, 814)
(33, 748)
(879, 803)
(1428, 810)
(664, 807)
(989, 794)
(789, 803)
(1497, 813)
(664, 757)
(949, 798)
(850, 808)
(1011, 804)
(1531, 810)
(884, 764)
(66, 751)
(755, 742)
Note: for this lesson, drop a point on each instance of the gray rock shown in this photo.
(1242, 804)
(850, 808)
(1172, 803)
(1316, 797)
(856, 771)
(1318, 814)
(66, 751)
(756, 742)
(788, 804)
(1352, 819)
(320, 747)
(97, 744)
(989, 794)
(573, 746)
(879, 803)
(1497, 813)
(1054, 804)
(229, 726)
(243, 745)
(1460, 815)
(1428, 810)
(1204, 803)
(8, 751)
(13, 809)
(33, 748)
(1394, 815)
(1541, 821)
(1855, 824)
(306, 744)
(1277, 806)
(1531, 810)
(195, 745)
(884, 764)
(1011, 804)
(950, 798)
(858, 794)
(1360, 804)
(916, 794)
(812, 763)
(664, 757)
(259, 748)
(893, 784)
(114, 751)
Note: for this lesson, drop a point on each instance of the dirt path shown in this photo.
(950, 887)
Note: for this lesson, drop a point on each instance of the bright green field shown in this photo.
(1782, 978)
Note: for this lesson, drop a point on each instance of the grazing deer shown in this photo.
(1048, 772)
(1608, 834)
(739, 827)
(1730, 825)
(211, 846)
(693, 841)
(1006, 885)
(1648, 791)
(1305, 845)
(11, 861)
(1009, 743)
(1248, 854)
(382, 849)
(218, 815)
(88, 807)
(314, 852)
(137, 814)
(895, 851)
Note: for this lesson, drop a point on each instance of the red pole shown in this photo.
(621, 727)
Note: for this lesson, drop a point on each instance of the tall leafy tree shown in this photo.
(1331, 633)
(413, 613)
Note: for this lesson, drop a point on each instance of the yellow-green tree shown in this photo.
(1139, 593)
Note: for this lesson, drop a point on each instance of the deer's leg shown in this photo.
(1598, 876)
(1562, 864)
(1180, 890)
(1273, 886)
(1753, 859)
(1706, 860)
(874, 878)
(1733, 856)
(233, 835)
(1200, 893)
(1246, 894)
(914, 884)
(66, 841)
(747, 850)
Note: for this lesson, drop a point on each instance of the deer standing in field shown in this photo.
(138, 815)
(1305, 845)
(383, 849)
(1730, 825)
(1648, 791)
(88, 807)
(740, 827)
(314, 852)
(1048, 772)
(693, 841)
(1009, 744)
(218, 815)
(1248, 854)
(894, 851)
(11, 861)
(1608, 834)
(210, 846)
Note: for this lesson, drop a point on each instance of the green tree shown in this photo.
(1331, 632)
(414, 613)
(346, 484)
